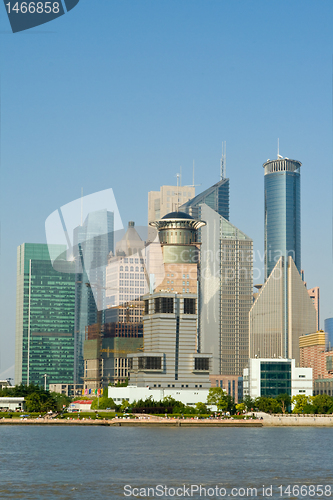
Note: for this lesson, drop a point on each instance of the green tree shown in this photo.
(124, 405)
(60, 400)
(268, 405)
(322, 403)
(218, 397)
(240, 407)
(201, 408)
(102, 404)
(300, 402)
(284, 402)
(250, 403)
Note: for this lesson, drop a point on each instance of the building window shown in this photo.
(201, 364)
(164, 305)
(150, 363)
(189, 306)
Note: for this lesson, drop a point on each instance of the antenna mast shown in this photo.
(223, 160)
(81, 206)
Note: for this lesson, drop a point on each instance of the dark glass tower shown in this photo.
(282, 212)
(216, 197)
(45, 299)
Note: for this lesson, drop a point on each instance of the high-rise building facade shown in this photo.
(328, 324)
(283, 309)
(274, 308)
(216, 197)
(226, 284)
(107, 345)
(170, 358)
(93, 241)
(45, 300)
(167, 200)
(282, 212)
(225, 281)
(314, 294)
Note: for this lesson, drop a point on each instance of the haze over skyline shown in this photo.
(121, 94)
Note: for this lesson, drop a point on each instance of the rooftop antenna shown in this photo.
(223, 160)
(278, 152)
(81, 206)
(193, 185)
(178, 177)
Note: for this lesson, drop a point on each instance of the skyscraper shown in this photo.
(225, 281)
(216, 197)
(226, 285)
(93, 241)
(282, 212)
(170, 358)
(167, 200)
(45, 298)
(283, 310)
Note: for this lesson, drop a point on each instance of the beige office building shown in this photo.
(226, 285)
(277, 319)
(167, 199)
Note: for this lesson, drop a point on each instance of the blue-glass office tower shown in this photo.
(329, 330)
(93, 241)
(282, 212)
(45, 297)
(216, 197)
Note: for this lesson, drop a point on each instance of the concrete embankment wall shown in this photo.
(298, 420)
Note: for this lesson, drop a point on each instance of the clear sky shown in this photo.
(119, 94)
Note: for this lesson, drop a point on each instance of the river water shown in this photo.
(81, 463)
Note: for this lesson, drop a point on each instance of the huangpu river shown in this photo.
(81, 463)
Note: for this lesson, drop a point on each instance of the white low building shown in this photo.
(12, 403)
(273, 376)
(133, 393)
(80, 405)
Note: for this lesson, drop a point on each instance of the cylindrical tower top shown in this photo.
(282, 165)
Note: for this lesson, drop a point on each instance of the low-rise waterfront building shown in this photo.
(273, 376)
(12, 403)
(134, 393)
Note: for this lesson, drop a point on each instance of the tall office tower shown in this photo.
(216, 197)
(274, 309)
(93, 241)
(226, 285)
(282, 212)
(314, 295)
(225, 296)
(283, 310)
(107, 345)
(170, 357)
(45, 300)
(167, 200)
(328, 325)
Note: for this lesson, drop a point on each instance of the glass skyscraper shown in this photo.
(282, 212)
(216, 197)
(44, 316)
(225, 281)
(283, 310)
(93, 241)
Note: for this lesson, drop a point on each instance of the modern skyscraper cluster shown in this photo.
(82, 321)
(283, 310)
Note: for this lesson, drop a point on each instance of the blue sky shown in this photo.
(122, 93)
